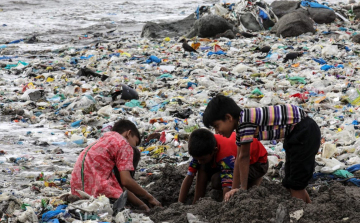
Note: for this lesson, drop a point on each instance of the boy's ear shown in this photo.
(228, 117)
(127, 134)
(216, 149)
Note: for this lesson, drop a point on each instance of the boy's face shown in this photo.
(132, 139)
(224, 127)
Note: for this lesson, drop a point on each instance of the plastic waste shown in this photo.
(153, 59)
(328, 150)
(343, 174)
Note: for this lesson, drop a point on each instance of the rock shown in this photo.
(293, 24)
(210, 26)
(227, 34)
(36, 95)
(356, 38)
(168, 29)
(321, 15)
(249, 22)
(268, 24)
(281, 8)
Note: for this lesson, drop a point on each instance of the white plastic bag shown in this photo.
(329, 150)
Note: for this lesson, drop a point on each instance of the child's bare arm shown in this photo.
(241, 171)
(225, 190)
(236, 174)
(185, 187)
(244, 163)
(200, 187)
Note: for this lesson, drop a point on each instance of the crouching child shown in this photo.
(214, 159)
(94, 172)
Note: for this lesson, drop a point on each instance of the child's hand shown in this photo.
(229, 194)
(153, 202)
(144, 207)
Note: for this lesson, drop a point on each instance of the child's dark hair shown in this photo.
(123, 125)
(217, 109)
(136, 157)
(201, 142)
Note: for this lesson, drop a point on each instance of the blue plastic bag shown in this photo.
(314, 5)
(51, 214)
(190, 84)
(320, 61)
(220, 52)
(355, 181)
(263, 15)
(327, 67)
(353, 168)
(153, 59)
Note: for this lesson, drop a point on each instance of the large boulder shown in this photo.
(168, 29)
(210, 26)
(322, 15)
(293, 24)
(281, 8)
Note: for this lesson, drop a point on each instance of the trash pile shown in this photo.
(55, 103)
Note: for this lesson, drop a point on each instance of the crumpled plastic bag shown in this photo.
(331, 165)
(343, 174)
(51, 214)
(127, 216)
(28, 216)
(353, 168)
(105, 111)
(100, 203)
(329, 150)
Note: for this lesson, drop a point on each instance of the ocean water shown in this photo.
(61, 21)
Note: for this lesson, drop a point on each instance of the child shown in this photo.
(301, 133)
(213, 158)
(93, 170)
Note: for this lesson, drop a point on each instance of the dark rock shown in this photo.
(267, 24)
(250, 22)
(32, 39)
(321, 15)
(356, 38)
(281, 8)
(293, 24)
(227, 34)
(36, 95)
(210, 26)
(168, 29)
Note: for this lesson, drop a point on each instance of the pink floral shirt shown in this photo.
(99, 179)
